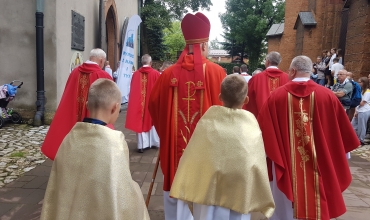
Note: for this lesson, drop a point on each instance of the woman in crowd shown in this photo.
(362, 114)
(328, 76)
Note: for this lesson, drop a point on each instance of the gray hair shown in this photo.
(274, 58)
(146, 59)
(97, 52)
(302, 64)
(258, 70)
(244, 68)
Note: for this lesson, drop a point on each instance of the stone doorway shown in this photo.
(111, 28)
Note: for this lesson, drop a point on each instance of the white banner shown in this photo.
(127, 58)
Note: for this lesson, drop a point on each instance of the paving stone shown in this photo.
(36, 182)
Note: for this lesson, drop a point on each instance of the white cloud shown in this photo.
(216, 26)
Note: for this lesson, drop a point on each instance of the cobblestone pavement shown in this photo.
(19, 150)
(22, 198)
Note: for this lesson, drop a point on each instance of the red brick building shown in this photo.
(314, 25)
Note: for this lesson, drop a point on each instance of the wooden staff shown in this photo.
(152, 183)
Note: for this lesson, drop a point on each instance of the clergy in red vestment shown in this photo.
(308, 149)
(182, 94)
(138, 118)
(72, 106)
(261, 85)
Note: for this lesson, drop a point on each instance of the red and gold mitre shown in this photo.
(195, 29)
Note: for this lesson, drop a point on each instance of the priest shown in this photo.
(261, 85)
(72, 106)
(309, 170)
(182, 94)
(138, 118)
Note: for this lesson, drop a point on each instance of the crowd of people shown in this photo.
(232, 147)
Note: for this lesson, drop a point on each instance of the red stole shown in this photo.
(138, 118)
(72, 106)
(306, 191)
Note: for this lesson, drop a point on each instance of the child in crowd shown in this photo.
(90, 177)
(223, 172)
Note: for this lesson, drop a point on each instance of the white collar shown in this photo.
(146, 66)
(91, 62)
(301, 79)
(245, 73)
(344, 82)
(272, 67)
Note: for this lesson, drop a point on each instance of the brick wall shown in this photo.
(324, 35)
(357, 55)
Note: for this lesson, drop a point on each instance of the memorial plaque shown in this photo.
(78, 31)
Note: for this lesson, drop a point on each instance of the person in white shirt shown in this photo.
(333, 53)
(108, 69)
(335, 68)
(362, 114)
(244, 72)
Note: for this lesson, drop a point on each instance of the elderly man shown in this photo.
(262, 84)
(182, 94)
(258, 70)
(138, 118)
(72, 106)
(309, 171)
(343, 89)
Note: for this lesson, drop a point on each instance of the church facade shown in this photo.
(71, 29)
(315, 25)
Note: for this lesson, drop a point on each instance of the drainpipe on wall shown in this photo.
(40, 103)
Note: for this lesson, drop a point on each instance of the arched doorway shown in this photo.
(111, 29)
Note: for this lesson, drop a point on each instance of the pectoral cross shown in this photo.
(189, 97)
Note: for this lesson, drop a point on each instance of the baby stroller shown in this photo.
(7, 94)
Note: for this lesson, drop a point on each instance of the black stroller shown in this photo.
(7, 94)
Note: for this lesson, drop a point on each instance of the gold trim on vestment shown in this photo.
(317, 182)
(197, 41)
(292, 151)
(302, 140)
(175, 106)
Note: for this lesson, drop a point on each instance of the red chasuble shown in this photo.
(138, 118)
(177, 102)
(309, 148)
(72, 106)
(261, 85)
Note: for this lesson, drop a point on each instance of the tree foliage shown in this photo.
(173, 39)
(215, 44)
(158, 15)
(247, 21)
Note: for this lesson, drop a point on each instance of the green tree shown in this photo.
(249, 21)
(157, 15)
(173, 39)
(215, 44)
(234, 46)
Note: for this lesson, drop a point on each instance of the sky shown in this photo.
(216, 26)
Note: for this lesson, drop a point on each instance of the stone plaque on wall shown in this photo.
(78, 31)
